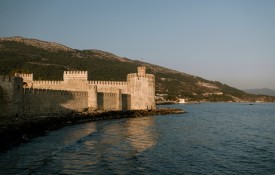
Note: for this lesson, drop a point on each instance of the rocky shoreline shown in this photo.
(18, 131)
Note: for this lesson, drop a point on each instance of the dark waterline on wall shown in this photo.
(212, 138)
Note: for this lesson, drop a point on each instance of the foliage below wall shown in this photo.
(48, 61)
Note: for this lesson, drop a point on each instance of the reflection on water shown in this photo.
(140, 134)
(212, 138)
(103, 146)
(80, 134)
(41, 153)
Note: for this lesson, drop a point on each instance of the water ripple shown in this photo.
(214, 138)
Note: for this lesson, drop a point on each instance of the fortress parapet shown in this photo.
(11, 96)
(108, 82)
(46, 102)
(141, 71)
(75, 75)
(141, 87)
(6, 79)
(26, 77)
(46, 82)
(75, 93)
(135, 75)
(54, 92)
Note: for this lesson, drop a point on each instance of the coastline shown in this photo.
(20, 130)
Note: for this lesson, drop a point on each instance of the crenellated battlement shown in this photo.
(75, 93)
(141, 87)
(6, 79)
(47, 82)
(135, 75)
(26, 77)
(76, 72)
(141, 71)
(10, 80)
(75, 75)
(92, 86)
(54, 92)
(108, 83)
(132, 75)
(150, 76)
(109, 94)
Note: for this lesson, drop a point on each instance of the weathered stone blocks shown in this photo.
(75, 93)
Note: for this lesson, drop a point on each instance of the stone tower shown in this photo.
(137, 93)
(11, 89)
(141, 87)
(78, 81)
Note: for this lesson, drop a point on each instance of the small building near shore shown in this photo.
(182, 100)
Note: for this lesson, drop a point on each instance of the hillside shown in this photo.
(48, 60)
(263, 91)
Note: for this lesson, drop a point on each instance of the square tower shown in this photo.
(75, 75)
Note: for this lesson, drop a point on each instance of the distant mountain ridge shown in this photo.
(48, 60)
(52, 46)
(263, 91)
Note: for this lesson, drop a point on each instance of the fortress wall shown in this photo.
(151, 93)
(108, 89)
(141, 71)
(92, 97)
(11, 96)
(75, 75)
(138, 89)
(26, 77)
(47, 82)
(142, 89)
(43, 102)
(109, 101)
(57, 85)
(71, 85)
(126, 101)
(79, 101)
(6, 96)
(134, 75)
(140, 86)
(104, 85)
(138, 92)
(75, 85)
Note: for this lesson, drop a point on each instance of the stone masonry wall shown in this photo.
(138, 92)
(126, 101)
(103, 86)
(141, 87)
(107, 101)
(43, 102)
(75, 75)
(10, 96)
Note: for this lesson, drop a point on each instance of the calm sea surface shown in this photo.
(212, 138)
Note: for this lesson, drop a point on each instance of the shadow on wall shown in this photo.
(126, 101)
(44, 102)
(3, 101)
(113, 101)
(7, 95)
(1, 96)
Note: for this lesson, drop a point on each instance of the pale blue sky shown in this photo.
(232, 41)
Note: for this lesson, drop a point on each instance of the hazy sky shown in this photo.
(232, 41)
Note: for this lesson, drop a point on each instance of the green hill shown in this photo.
(48, 60)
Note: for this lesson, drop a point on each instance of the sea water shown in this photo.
(211, 138)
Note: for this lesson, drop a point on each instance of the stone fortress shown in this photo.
(21, 95)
